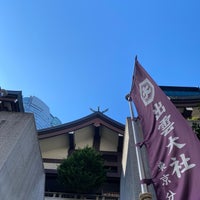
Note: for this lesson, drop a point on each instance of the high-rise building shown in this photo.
(43, 117)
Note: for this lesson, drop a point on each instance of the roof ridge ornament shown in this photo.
(98, 110)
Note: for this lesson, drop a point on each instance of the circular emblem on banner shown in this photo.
(146, 92)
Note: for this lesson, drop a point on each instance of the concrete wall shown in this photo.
(21, 168)
(130, 182)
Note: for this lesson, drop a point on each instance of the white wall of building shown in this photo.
(84, 137)
(109, 140)
(55, 147)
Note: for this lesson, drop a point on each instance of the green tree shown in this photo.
(196, 128)
(83, 171)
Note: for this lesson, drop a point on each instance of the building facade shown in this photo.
(95, 130)
(43, 117)
(21, 167)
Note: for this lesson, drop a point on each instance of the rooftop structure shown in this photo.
(186, 99)
(11, 101)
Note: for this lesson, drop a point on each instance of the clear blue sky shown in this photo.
(75, 55)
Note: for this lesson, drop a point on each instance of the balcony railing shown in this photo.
(70, 196)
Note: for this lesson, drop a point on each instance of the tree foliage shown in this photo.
(196, 129)
(83, 171)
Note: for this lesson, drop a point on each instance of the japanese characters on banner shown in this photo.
(172, 147)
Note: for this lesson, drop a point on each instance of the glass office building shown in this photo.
(43, 117)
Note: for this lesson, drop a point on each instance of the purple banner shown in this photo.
(173, 148)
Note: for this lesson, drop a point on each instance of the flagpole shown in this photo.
(144, 195)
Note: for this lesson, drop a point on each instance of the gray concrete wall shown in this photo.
(130, 183)
(21, 167)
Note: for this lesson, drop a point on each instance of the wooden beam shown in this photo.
(97, 138)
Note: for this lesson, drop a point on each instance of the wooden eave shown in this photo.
(96, 118)
(186, 102)
(183, 96)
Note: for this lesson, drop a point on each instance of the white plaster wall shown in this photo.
(51, 165)
(55, 147)
(109, 140)
(21, 167)
(84, 137)
(59, 153)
